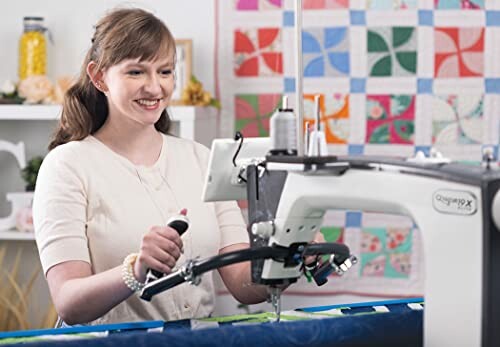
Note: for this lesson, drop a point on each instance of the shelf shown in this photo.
(14, 235)
(30, 112)
(190, 122)
(52, 112)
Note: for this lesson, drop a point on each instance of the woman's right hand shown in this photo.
(160, 249)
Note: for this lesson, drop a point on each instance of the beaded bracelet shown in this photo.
(128, 273)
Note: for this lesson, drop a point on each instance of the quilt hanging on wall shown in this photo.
(395, 77)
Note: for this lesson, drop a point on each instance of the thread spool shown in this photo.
(283, 130)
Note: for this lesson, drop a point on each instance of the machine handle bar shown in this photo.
(192, 271)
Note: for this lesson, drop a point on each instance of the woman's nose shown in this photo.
(152, 85)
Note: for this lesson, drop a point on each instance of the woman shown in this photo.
(114, 177)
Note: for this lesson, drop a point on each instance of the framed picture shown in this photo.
(183, 68)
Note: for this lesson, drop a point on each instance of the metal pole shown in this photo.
(299, 92)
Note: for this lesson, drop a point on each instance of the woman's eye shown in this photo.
(134, 72)
(166, 72)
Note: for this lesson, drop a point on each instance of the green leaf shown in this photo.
(380, 135)
(401, 35)
(383, 67)
(376, 43)
(215, 103)
(30, 172)
(405, 129)
(400, 103)
(408, 60)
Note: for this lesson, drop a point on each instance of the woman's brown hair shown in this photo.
(121, 34)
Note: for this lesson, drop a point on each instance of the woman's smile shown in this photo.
(149, 104)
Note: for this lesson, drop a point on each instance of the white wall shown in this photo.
(71, 23)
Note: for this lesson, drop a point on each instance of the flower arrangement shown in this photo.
(194, 94)
(36, 89)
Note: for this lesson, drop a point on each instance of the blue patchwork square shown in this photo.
(358, 17)
(426, 17)
(493, 18)
(358, 85)
(424, 85)
(288, 18)
(353, 219)
(355, 149)
(425, 149)
(492, 85)
(289, 83)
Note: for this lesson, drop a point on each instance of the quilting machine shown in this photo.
(456, 207)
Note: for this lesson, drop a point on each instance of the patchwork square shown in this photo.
(353, 219)
(386, 252)
(392, 51)
(457, 119)
(426, 17)
(258, 52)
(325, 52)
(288, 19)
(358, 85)
(459, 52)
(355, 149)
(324, 4)
(424, 85)
(493, 18)
(253, 112)
(424, 149)
(257, 5)
(334, 111)
(390, 119)
(492, 85)
(459, 4)
(289, 84)
(358, 17)
(391, 4)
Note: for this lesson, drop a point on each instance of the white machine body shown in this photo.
(448, 212)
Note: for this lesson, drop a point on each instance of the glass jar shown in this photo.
(32, 48)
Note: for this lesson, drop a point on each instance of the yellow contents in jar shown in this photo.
(32, 54)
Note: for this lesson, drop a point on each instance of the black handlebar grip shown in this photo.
(181, 224)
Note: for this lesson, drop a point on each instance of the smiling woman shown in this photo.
(113, 179)
(86, 106)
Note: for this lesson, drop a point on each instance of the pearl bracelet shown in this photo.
(128, 273)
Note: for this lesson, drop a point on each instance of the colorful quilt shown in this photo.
(379, 309)
(396, 77)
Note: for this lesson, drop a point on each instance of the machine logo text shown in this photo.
(454, 202)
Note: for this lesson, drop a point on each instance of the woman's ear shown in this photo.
(96, 76)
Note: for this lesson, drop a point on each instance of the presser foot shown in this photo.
(275, 299)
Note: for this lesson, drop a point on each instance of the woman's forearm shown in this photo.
(82, 300)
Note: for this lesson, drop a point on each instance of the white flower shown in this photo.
(35, 89)
(8, 87)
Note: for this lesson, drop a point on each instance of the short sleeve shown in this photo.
(59, 210)
(232, 226)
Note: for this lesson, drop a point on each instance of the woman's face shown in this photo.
(139, 90)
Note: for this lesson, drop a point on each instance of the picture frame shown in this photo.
(183, 68)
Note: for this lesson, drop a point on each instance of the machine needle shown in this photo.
(276, 301)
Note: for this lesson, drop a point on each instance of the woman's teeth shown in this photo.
(148, 102)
